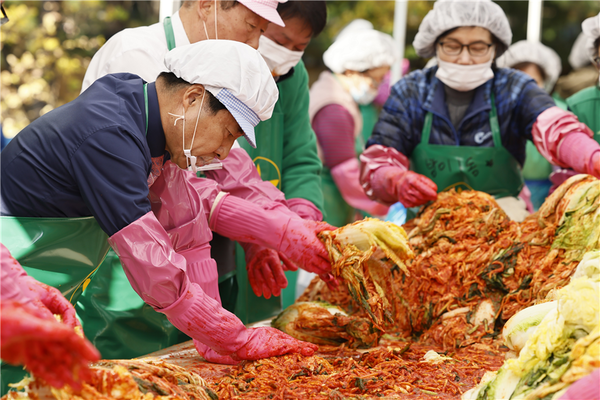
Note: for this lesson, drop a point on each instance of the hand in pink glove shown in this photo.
(408, 187)
(49, 350)
(301, 244)
(595, 162)
(262, 343)
(266, 270)
(50, 299)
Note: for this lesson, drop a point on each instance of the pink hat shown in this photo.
(266, 9)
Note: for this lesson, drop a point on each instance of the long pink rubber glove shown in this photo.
(47, 348)
(385, 177)
(266, 269)
(295, 237)
(587, 388)
(347, 178)
(158, 274)
(40, 299)
(566, 142)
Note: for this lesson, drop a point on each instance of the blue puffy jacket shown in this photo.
(519, 101)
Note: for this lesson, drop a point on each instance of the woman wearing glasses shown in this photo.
(465, 123)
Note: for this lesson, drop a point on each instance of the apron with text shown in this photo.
(492, 170)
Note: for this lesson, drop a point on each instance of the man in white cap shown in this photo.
(103, 155)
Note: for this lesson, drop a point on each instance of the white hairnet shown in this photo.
(356, 25)
(234, 73)
(360, 50)
(450, 14)
(536, 53)
(591, 30)
(578, 57)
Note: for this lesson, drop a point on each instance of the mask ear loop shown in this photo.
(216, 6)
(191, 160)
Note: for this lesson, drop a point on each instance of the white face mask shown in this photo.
(360, 87)
(279, 59)
(464, 77)
(190, 159)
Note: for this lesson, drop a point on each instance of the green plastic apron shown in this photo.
(268, 158)
(114, 317)
(61, 252)
(337, 211)
(488, 169)
(586, 105)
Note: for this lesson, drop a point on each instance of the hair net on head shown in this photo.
(591, 30)
(578, 57)
(234, 73)
(360, 50)
(536, 53)
(450, 14)
(356, 25)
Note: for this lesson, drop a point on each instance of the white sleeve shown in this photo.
(112, 59)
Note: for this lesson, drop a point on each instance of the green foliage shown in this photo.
(46, 47)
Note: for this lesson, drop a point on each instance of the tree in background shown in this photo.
(47, 46)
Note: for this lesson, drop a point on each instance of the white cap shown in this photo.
(355, 25)
(234, 73)
(533, 52)
(359, 49)
(578, 57)
(450, 14)
(266, 9)
(591, 30)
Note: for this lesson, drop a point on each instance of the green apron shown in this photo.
(338, 212)
(268, 158)
(488, 169)
(61, 252)
(585, 104)
(114, 317)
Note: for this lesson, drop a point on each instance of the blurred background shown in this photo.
(47, 45)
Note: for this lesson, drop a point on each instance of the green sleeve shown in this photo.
(301, 169)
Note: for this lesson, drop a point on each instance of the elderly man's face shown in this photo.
(215, 132)
(236, 23)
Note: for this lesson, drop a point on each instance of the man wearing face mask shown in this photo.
(141, 51)
(358, 60)
(104, 156)
(286, 156)
(465, 122)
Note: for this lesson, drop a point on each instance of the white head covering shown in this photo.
(591, 30)
(234, 73)
(533, 52)
(266, 9)
(578, 57)
(359, 47)
(450, 14)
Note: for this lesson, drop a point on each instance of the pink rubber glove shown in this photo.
(587, 388)
(40, 299)
(346, 177)
(305, 209)
(296, 238)
(158, 274)
(266, 269)
(49, 350)
(407, 187)
(563, 140)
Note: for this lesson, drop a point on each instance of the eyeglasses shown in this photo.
(4, 18)
(454, 48)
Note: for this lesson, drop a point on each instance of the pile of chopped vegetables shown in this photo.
(474, 268)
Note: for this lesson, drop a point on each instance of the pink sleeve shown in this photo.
(240, 178)
(346, 176)
(375, 161)
(563, 140)
(334, 127)
(305, 209)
